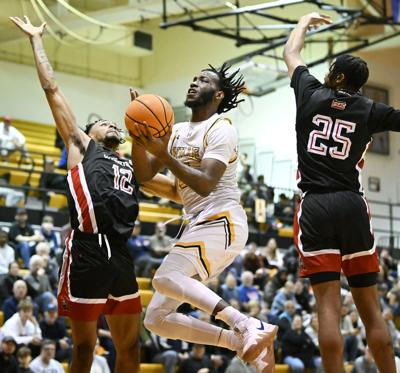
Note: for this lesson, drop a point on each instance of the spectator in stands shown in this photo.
(284, 294)
(276, 283)
(302, 295)
(139, 248)
(38, 283)
(312, 329)
(24, 356)
(7, 254)
(7, 283)
(286, 318)
(105, 339)
(23, 236)
(254, 310)
(197, 362)
(245, 178)
(8, 362)
(284, 209)
(272, 254)
(45, 361)
(359, 330)
(238, 366)
(13, 197)
(20, 292)
(394, 333)
(164, 352)
(51, 267)
(365, 363)
(54, 328)
(160, 242)
(291, 260)
(22, 326)
(62, 163)
(298, 350)
(247, 291)
(11, 139)
(349, 335)
(229, 289)
(267, 191)
(160, 245)
(52, 180)
(99, 364)
(50, 235)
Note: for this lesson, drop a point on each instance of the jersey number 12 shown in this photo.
(122, 179)
(329, 130)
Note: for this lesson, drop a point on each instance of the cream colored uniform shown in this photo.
(217, 229)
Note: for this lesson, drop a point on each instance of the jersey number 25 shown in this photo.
(341, 151)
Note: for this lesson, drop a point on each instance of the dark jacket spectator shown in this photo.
(197, 360)
(297, 344)
(8, 362)
(10, 305)
(6, 285)
(54, 328)
(50, 179)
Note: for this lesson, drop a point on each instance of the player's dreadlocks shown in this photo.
(232, 86)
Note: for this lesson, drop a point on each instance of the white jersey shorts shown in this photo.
(212, 242)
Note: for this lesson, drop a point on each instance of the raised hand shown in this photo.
(141, 135)
(314, 20)
(134, 94)
(27, 27)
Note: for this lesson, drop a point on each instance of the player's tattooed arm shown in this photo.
(62, 113)
(295, 43)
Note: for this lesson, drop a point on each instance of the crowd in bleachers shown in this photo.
(262, 282)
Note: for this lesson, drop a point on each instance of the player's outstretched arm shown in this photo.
(162, 186)
(62, 113)
(295, 43)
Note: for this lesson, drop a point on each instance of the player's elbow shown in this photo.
(50, 88)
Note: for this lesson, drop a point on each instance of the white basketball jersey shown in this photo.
(215, 138)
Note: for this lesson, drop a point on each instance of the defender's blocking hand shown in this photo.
(27, 27)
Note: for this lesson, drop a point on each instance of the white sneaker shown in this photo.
(256, 335)
(265, 362)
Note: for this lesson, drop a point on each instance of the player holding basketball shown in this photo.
(202, 154)
(97, 274)
(332, 226)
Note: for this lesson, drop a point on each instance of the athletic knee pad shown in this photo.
(171, 284)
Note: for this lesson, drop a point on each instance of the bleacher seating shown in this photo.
(40, 141)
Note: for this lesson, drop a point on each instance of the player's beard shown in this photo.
(204, 99)
(111, 141)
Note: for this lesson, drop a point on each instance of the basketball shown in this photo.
(153, 110)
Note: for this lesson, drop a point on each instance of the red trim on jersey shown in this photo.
(81, 197)
(129, 306)
(361, 265)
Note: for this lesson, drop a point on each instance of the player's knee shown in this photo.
(164, 283)
(153, 320)
(84, 350)
(331, 342)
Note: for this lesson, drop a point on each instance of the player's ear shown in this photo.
(340, 78)
(220, 95)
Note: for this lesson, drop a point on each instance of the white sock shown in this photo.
(229, 340)
(231, 316)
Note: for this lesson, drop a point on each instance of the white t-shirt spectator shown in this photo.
(10, 138)
(7, 255)
(99, 365)
(23, 334)
(39, 366)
